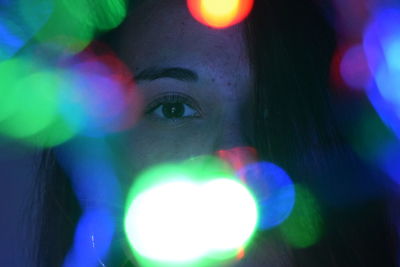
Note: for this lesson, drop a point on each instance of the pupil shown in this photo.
(173, 110)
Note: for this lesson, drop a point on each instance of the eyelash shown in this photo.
(173, 98)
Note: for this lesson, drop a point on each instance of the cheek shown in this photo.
(147, 146)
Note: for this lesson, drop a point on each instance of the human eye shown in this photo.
(173, 106)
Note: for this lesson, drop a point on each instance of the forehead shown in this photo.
(164, 32)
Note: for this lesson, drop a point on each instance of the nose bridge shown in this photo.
(230, 135)
(233, 145)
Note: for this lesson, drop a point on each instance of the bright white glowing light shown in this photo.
(184, 221)
(230, 214)
(160, 222)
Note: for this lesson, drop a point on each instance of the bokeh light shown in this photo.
(92, 239)
(354, 68)
(47, 103)
(88, 163)
(101, 15)
(75, 23)
(238, 157)
(274, 192)
(35, 100)
(29, 98)
(100, 96)
(382, 46)
(229, 214)
(20, 20)
(303, 228)
(175, 215)
(220, 13)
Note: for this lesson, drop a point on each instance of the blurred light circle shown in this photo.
(162, 223)
(354, 68)
(92, 240)
(185, 213)
(10, 73)
(220, 13)
(20, 20)
(273, 189)
(303, 228)
(382, 47)
(99, 96)
(35, 98)
(230, 213)
(99, 15)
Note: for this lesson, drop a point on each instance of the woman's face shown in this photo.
(195, 82)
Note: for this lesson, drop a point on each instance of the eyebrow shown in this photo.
(151, 74)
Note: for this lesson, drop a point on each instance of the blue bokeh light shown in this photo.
(274, 192)
(382, 47)
(92, 240)
(20, 20)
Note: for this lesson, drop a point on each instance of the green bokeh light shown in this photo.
(189, 214)
(56, 133)
(75, 23)
(35, 105)
(102, 15)
(10, 73)
(304, 226)
(29, 103)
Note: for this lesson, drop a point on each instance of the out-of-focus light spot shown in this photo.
(382, 46)
(303, 228)
(29, 103)
(10, 43)
(92, 103)
(36, 105)
(92, 239)
(47, 103)
(374, 142)
(240, 254)
(389, 160)
(238, 157)
(18, 23)
(220, 13)
(89, 165)
(75, 23)
(101, 15)
(229, 214)
(274, 192)
(29, 98)
(354, 68)
(100, 97)
(161, 223)
(176, 215)
(56, 133)
(10, 73)
(388, 83)
(393, 53)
